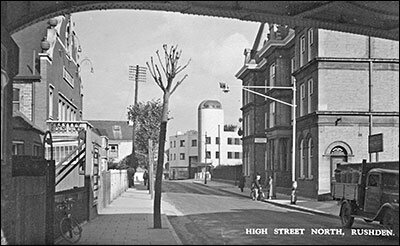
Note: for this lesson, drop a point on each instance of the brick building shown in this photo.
(346, 89)
(267, 124)
(48, 86)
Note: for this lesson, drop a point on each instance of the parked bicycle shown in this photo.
(69, 227)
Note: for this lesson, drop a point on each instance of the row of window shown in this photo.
(270, 115)
(305, 55)
(277, 155)
(310, 42)
(182, 143)
(66, 112)
(234, 141)
(303, 98)
(16, 101)
(230, 141)
(230, 155)
(18, 148)
(306, 153)
(173, 156)
(282, 157)
(60, 152)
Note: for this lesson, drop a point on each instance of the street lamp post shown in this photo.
(205, 159)
(225, 88)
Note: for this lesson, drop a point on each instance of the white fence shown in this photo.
(119, 183)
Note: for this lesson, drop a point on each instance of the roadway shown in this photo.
(206, 215)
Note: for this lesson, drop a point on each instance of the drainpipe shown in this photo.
(33, 89)
(219, 145)
(369, 92)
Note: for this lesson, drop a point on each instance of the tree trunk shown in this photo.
(160, 162)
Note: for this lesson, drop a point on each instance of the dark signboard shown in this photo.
(375, 143)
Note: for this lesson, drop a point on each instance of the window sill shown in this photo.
(306, 178)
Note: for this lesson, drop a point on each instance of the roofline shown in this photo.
(251, 66)
(273, 43)
(27, 78)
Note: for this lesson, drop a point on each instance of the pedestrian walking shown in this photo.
(133, 178)
(145, 177)
(242, 181)
(255, 186)
(131, 174)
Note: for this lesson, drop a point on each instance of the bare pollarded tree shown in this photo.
(170, 69)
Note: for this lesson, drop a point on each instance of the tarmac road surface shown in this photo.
(210, 216)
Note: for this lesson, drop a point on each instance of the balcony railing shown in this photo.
(67, 128)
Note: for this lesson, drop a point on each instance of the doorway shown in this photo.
(338, 155)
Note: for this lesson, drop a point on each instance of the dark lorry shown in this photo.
(369, 191)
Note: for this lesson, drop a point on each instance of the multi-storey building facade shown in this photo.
(346, 89)
(267, 123)
(183, 150)
(215, 143)
(48, 92)
(218, 144)
(48, 86)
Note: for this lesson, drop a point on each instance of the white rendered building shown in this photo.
(182, 153)
(218, 144)
(213, 144)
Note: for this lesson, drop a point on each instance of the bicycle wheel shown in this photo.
(70, 230)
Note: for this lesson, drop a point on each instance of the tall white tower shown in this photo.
(210, 125)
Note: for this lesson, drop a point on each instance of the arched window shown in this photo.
(310, 155)
(301, 156)
(338, 151)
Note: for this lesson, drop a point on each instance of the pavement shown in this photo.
(128, 220)
(325, 208)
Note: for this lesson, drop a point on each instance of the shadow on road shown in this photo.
(191, 188)
(222, 228)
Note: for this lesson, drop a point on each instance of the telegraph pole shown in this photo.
(151, 167)
(138, 74)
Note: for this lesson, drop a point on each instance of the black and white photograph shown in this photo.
(200, 123)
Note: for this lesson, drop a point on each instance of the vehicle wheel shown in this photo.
(388, 219)
(345, 215)
(70, 230)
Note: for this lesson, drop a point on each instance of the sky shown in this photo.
(113, 40)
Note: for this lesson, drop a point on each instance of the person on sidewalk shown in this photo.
(131, 174)
(133, 178)
(145, 177)
(255, 186)
(242, 181)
